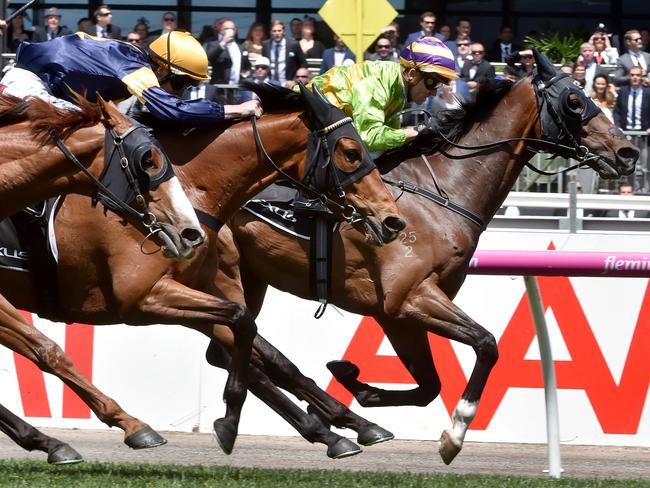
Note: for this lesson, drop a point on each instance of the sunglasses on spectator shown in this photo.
(104, 14)
(169, 19)
(383, 46)
(638, 39)
(462, 44)
(478, 52)
(133, 40)
(261, 66)
(599, 38)
(526, 56)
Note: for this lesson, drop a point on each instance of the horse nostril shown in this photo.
(192, 236)
(628, 154)
(394, 224)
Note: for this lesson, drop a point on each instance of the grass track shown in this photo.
(36, 474)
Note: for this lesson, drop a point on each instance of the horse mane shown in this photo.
(453, 123)
(275, 98)
(42, 116)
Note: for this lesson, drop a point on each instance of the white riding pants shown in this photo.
(23, 83)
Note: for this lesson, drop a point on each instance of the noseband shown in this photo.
(321, 170)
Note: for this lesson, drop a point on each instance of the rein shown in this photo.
(322, 145)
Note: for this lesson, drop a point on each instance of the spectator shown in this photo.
(591, 66)
(336, 56)
(567, 69)
(444, 99)
(383, 50)
(311, 48)
(634, 56)
(302, 76)
(53, 27)
(478, 68)
(102, 26)
(462, 52)
(285, 55)
(392, 33)
(464, 29)
(503, 46)
(627, 190)
(428, 24)
(134, 38)
(16, 33)
(227, 58)
(168, 23)
(262, 71)
(579, 74)
(645, 38)
(84, 24)
(295, 26)
(604, 95)
(254, 39)
(445, 32)
(604, 53)
(632, 110)
(142, 29)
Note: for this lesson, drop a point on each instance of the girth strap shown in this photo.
(444, 202)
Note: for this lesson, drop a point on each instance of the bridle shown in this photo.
(322, 176)
(124, 174)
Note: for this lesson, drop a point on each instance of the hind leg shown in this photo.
(32, 439)
(20, 336)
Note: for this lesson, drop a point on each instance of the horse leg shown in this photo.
(311, 428)
(412, 348)
(32, 439)
(18, 335)
(226, 322)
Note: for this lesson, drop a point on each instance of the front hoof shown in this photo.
(343, 370)
(448, 449)
(343, 448)
(145, 438)
(64, 454)
(373, 434)
(225, 434)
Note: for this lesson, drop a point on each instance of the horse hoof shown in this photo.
(448, 449)
(343, 448)
(373, 434)
(343, 370)
(225, 434)
(64, 454)
(145, 438)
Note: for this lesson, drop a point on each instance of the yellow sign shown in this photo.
(357, 22)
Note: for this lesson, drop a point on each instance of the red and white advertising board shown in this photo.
(599, 329)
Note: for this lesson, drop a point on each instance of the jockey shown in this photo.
(373, 93)
(79, 64)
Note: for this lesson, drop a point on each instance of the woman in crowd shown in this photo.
(16, 33)
(254, 39)
(311, 47)
(604, 53)
(604, 95)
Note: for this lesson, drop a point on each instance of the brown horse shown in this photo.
(45, 152)
(408, 287)
(220, 172)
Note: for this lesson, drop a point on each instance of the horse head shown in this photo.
(338, 159)
(571, 119)
(138, 171)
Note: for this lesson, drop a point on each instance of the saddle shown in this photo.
(27, 245)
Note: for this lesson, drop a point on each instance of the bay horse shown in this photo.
(98, 152)
(220, 170)
(408, 286)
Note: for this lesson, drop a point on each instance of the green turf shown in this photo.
(36, 473)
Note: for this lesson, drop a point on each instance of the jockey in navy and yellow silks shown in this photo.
(80, 64)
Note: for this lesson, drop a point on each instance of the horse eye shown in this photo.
(575, 103)
(147, 161)
(352, 155)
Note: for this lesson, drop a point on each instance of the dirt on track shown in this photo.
(399, 456)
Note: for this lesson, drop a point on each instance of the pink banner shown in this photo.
(561, 263)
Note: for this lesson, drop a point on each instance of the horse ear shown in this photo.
(317, 103)
(545, 68)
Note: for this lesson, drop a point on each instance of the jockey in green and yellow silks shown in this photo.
(373, 93)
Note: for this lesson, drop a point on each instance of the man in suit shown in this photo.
(52, 29)
(627, 190)
(285, 55)
(336, 56)
(634, 56)
(227, 58)
(503, 46)
(428, 24)
(592, 68)
(477, 68)
(102, 26)
(632, 110)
